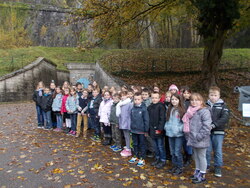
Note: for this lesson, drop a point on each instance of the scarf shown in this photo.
(121, 103)
(187, 116)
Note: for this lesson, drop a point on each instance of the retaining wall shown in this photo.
(20, 85)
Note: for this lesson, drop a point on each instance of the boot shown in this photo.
(172, 170)
(200, 178)
(195, 175)
(188, 160)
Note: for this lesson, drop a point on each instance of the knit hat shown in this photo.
(173, 87)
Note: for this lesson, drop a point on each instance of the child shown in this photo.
(66, 117)
(173, 89)
(174, 131)
(79, 87)
(123, 110)
(167, 103)
(65, 85)
(38, 93)
(220, 117)
(156, 126)
(156, 89)
(139, 128)
(71, 107)
(90, 90)
(114, 121)
(93, 108)
(82, 106)
(104, 114)
(197, 126)
(186, 93)
(46, 104)
(131, 94)
(53, 93)
(146, 97)
(56, 108)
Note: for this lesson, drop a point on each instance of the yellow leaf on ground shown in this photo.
(148, 184)
(127, 183)
(183, 186)
(142, 176)
(57, 171)
(80, 171)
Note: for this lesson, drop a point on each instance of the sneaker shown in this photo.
(172, 170)
(113, 147)
(200, 179)
(70, 132)
(160, 164)
(96, 138)
(133, 160)
(40, 126)
(73, 133)
(155, 162)
(93, 138)
(141, 163)
(56, 129)
(217, 172)
(47, 128)
(126, 153)
(150, 154)
(178, 171)
(195, 175)
(117, 149)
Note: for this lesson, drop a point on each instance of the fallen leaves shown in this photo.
(57, 171)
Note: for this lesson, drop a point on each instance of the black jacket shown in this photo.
(46, 102)
(220, 116)
(96, 104)
(139, 119)
(36, 97)
(157, 118)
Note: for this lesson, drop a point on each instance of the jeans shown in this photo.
(139, 145)
(159, 148)
(175, 144)
(59, 120)
(73, 121)
(47, 119)
(187, 149)
(216, 142)
(96, 125)
(40, 119)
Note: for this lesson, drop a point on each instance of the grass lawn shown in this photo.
(14, 59)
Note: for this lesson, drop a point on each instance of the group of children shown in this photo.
(175, 125)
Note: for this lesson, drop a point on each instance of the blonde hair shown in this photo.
(213, 89)
(199, 98)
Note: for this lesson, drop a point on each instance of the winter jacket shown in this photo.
(57, 103)
(200, 127)
(157, 119)
(166, 105)
(147, 102)
(174, 126)
(36, 96)
(139, 119)
(71, 104)
(113, 119)
(93, 105)
(220, 116)
(125, 116)
(64, 99)
(83, 104)
(186, 103)
(104, 111)
(46, 102)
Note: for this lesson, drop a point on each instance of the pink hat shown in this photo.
(173, 87)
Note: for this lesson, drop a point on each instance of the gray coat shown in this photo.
(200, 127)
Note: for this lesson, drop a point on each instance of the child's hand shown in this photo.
(80, 109)
(88, 115)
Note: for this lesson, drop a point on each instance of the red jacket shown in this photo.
(64, 99)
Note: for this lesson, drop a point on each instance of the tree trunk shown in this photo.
(211, 59)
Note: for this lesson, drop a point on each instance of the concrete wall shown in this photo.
(20, 85)
(80, 70)
(104, 78)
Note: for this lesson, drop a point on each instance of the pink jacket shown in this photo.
(64, 99)
(104, 111)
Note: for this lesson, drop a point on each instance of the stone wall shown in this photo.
(20, 85)
(80, 70)
(104, 78)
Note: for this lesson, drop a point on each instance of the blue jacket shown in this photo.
(174, 126)
(71, 104)
(57, 103)
(139, 119)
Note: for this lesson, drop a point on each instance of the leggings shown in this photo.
(199, 155)
(126, 134)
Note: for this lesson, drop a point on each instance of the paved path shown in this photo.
(31, 157)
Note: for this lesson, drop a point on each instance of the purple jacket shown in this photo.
(125, 116)
(200, 127)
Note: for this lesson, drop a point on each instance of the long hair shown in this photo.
(54, 94)
(198, 97)
(181, 108)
